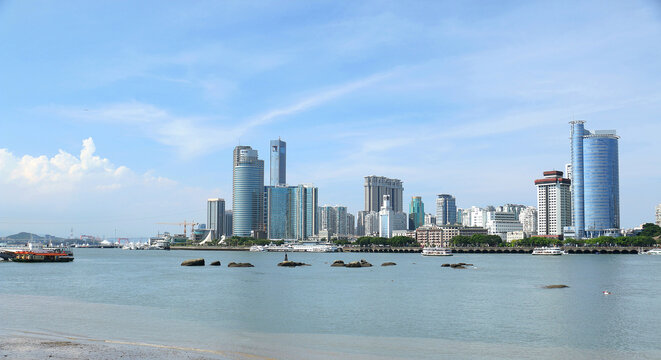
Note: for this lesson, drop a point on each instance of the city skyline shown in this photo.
(445, 99)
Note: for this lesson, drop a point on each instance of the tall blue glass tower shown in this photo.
(278, 162)
(247, 192)
(595, 181)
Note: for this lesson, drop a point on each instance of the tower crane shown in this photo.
(185, 223)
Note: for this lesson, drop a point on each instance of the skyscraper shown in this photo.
(386, 218)
(553, 203)
(247, 192)
(216, 217)
(528, 218)
(416, 213)
(377, 186)
(595, 181)
(278, 162)
(446, 210)
(658, 215)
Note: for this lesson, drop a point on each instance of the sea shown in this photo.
(496, 309)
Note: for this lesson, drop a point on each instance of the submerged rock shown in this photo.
(215, 263)
(193, 262)
(445, 265)
(233, 264)
(361, 263)
(389, 263)
(559, 286)
(457, 266)
(288, 263)
(338, 263)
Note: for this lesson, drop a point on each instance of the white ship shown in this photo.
(548, 251)
(436, 251)
(656, 251)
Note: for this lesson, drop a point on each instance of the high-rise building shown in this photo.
(658, 214)
(291, 212)
(553, 203)
(446, 210)
(351, 221)
(371, 223)
(430, 219)
(386, 218)
(360, 223)
(227, 224)
(528, 218)
(333, 219)
(247, 193)
(377, 186)
(511, 208)
(278, 162)
(595, 187)
(416, 213)
(216, 217)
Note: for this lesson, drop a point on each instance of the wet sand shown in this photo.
(42, 346)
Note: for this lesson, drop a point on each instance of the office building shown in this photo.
(528, 218)
(503, 223)
(278, 162)
(216, 217)
(227, 224)
(416, 213)
(553, 203)
(247, 193)
(595, 188)
(446, 210)
(386, 218)
(291, 212)
(377, 186)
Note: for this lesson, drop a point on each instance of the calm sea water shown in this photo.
(413, 310)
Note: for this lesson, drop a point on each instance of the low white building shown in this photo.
(502, 223)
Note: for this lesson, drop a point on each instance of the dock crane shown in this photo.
(185, 223)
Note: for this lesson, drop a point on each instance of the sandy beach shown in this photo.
(44, 346)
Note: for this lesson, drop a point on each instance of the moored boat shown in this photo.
(655, 251)
(37, 254)
(436, 251)
(551, 251)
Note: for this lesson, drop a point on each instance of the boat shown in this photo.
(257, 248)
(655, 251)
(551, 251)
(33, 253)
(436, 251)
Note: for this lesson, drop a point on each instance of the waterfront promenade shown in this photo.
(456, 250)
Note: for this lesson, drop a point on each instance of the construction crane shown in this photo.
(185, 223)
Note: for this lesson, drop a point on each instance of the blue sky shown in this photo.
(117, 115)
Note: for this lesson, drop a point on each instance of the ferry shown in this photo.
(552, 251)
(33, 253)
(656, 251)
(436, 251)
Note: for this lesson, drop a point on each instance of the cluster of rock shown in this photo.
(288, 263)
(457, 265)
(353, 264)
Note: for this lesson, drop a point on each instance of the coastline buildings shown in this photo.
(528, 218)
(416, 213)
(247, 192)
(377, 186)
(333, 221)
(658, 215)
(430, 219)
(502, 223)
(278, 162)
(594, 181)
(434, 235)
(446, 210)
(553, 203)
(227, 224)
(291, 212)
(216, 217)
(386, 218)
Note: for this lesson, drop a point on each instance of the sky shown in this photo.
(117, 115)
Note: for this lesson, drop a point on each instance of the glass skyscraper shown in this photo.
(416, 213)
(278, 162)
(247, 192)
(446, 210)
(291, 212)
(595, 181)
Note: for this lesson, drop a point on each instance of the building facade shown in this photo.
(440, 236)
(278, 162)
(227, 225)
(446, 210)
(416, 213)
(553, 203)
(291, 212)
(377, 186)
(658, 215)
(247, 193)
(333, 220)
(503, 223)
(528, 218)
(216, 217)
(594, 181)
(386, 218)
(430, 219)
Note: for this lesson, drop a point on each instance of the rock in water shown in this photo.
(445, 265)
(560, 286)
(355, 264)
(215, 263)
(338, 263)
(233, 264)
(193, 262)
(292, 264)
(388, 264)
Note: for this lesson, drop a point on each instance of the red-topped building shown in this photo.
(553, 203)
